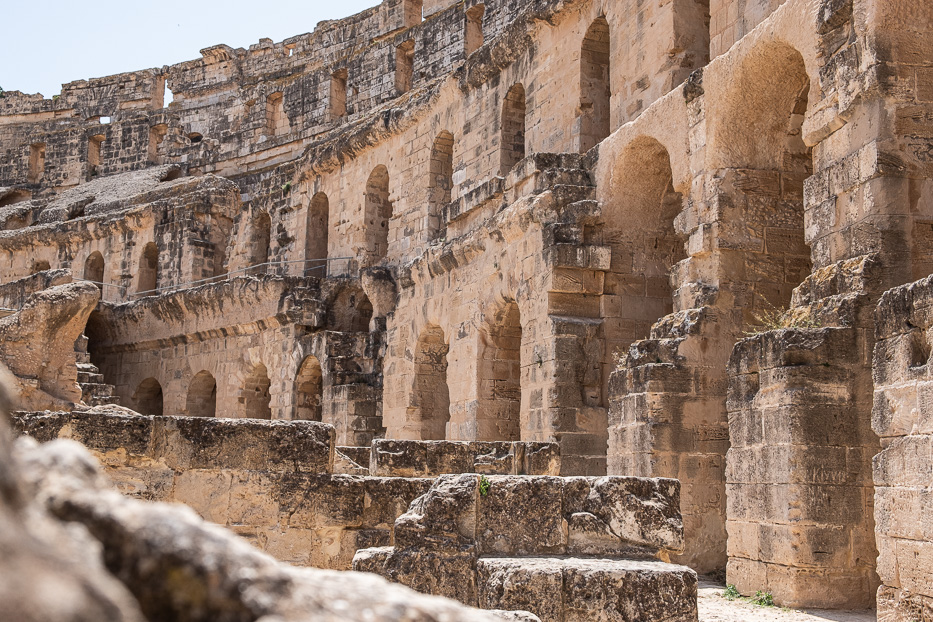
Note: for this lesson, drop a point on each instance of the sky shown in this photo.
(48, 43)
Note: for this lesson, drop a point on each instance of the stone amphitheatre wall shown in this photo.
(652, 233)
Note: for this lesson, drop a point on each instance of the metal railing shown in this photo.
(317, 265)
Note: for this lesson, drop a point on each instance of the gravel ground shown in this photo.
(715, 608)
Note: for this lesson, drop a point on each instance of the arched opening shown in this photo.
(595, 91)
(156, 136)
(639, 215)
(440, 182)
(97, 333)
(473, 35)
(94, 269)
(147, 399)
(500, 377)
(378, 213)
(512, 145)
(431, 395)
(93, 155)
(309, 390)
(40, 265)
(148, 280)
(195, 137)
(255, 396)
(316, 236)
(276, 119)
(350, 312)
(404, 66)
(338, 95)
(260, 232)
(202, 396)
(758, 143)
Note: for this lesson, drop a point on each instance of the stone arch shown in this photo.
(377, 213)
(147, 399)
(202, 396)
(255, 396)
(431, 394)
(309, 390)
(756, 140)
(499, 372)
(512, 140)
(440, 181)
(94, 269)
(148, 278)
(316, 235)
(748, 120)
(639, 214)
(260, 232)
(594, 116)
(350, 311)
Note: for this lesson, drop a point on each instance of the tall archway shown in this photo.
(148, 397)
(309, 390)
(512, 140)
(255, 395)
(202, 396)
(94, 269)
(316, 236)
(440, 182)
(431, 395)
(500, 377)
(148, 279)
(259, 235)
(595, 90)
(378, 213)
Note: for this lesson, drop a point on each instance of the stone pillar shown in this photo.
(903, 471)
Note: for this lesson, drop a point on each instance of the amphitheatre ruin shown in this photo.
(548, 307)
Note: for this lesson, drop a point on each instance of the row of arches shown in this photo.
(147, 277)
(253, 397)
(498, 374)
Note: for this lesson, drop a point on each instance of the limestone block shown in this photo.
(319, 501)
(388, 498)
(444, 518)
(565, 589)
(449, 574)
(521, 516)
(200, 442)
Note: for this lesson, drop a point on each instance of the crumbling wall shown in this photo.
(901, 417)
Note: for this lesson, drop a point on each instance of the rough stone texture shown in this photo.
(798, 475)
(903, 471)
(74, 549)
(508, 546)
(37, 345)
(506, 221)
(391, 458)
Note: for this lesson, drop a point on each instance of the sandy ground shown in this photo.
(715, 608)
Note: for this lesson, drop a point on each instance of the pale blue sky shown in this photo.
(47, 43)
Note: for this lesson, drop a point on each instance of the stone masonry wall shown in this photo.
(903, 471)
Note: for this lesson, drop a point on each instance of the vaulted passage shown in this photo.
(595, 91)
(147, 399)
(309, 390)
(499, 374)
(94, 269)
(202, 396)
(440, 183)
(431, 395)
(316, 236)
(378, 213)
(259, 234)
(254, 397)
(148, 279)
(512, 145)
